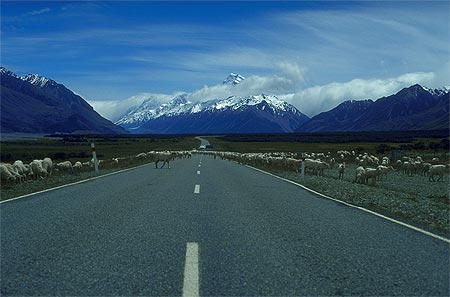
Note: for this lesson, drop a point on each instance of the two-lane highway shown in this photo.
(144, 232)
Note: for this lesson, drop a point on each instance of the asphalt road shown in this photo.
(203, 141)
(126, 234)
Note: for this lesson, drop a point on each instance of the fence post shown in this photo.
(94, 156)
(302, 174)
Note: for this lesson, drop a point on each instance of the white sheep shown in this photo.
(20, 168)
(78, 166)
(164, 157)
(37, 169)
(372, 173)
(435, 161)
(316, 166)
(65, 166)
(384, 170)
(142, 156)
(360, 175)
(5, 175)
(341, 169)
(47, 164)
(425, 168)
(438, 170)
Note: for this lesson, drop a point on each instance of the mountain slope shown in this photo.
(412, 108)
(35, 104)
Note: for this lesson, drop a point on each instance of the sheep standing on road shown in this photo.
(164, 157)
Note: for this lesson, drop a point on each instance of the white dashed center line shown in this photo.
(198, 171)
(199, 165)
(191, 279)
(197, 189)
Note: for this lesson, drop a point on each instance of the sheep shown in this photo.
(384, 170)
(438, 170)
(77, 166)
(293, 164)
(6, 175)
(164, 157)
(312, 165)
(37, 169)
(20, 168)
(435, 161)
(47, 164)
(65, 166)
(142, 156)
(425, 168)
(373, 174)
(341, 169)
(408, 168)
(360, 175)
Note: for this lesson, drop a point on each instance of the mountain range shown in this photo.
(249, 114)
(412, 108)
(36, 104)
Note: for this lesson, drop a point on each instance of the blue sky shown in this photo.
(311, 54)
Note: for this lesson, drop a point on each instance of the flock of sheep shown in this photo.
(18, 172)
(369, 168)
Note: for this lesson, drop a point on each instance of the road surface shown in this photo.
(208, 227)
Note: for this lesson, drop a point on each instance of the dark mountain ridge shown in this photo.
(412, 108)
(35, 104)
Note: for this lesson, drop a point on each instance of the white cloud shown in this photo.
(252, 85)
(40, 11)
(293, 71)
(114, 109)
(314, 100)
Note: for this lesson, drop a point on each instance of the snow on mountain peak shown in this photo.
(5, 71)
(439, 91)
(37, 80)
(233, 79)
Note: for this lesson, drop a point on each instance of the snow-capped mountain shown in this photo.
(412, 108)
(36, 104)
(233, 79)
(37, 80)
(235, 114)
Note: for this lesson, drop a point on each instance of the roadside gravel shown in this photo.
(414, 200)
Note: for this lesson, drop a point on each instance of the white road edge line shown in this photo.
(191, 279)
(74, 183)
(354, 206)
(197, 189)
(198, 171)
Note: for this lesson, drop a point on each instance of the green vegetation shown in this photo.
(79, 149)
(415, 146)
